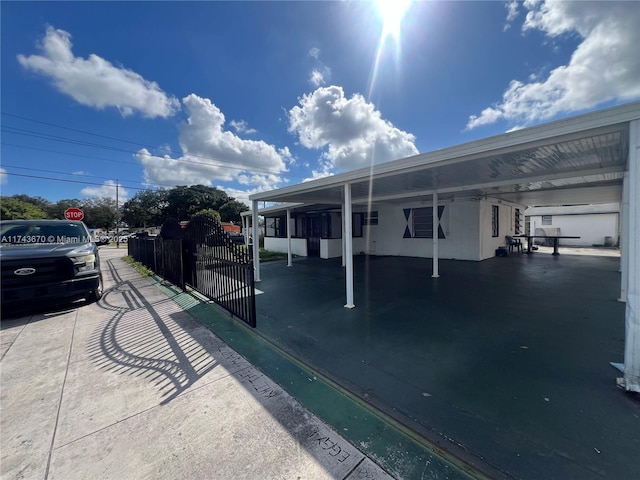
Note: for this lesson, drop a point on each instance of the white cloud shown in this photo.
(4, 178)
(243, 195)
(210, 153)
(95, 82)
(106, 190)
(323, 170)
(604, 67)
(316, 78)
(261, 181)
(320, 73)
(241, 126)
(351, 129)
(512, 13)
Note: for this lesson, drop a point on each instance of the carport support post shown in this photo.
(624, 240)
(344, 240)
(632, 315)
(289, 237)
(245, 226)
(348, 228)
(436, 224)
(256, 240)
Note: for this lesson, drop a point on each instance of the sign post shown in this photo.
(73, 213)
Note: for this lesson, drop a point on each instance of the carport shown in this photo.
(592, 158)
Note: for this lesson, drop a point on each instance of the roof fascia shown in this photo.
(248, 213)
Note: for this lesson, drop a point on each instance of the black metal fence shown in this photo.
(143, 250)
(204, 258)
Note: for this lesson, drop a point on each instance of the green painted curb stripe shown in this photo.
(396, 448)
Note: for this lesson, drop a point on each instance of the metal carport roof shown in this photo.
(535, 166)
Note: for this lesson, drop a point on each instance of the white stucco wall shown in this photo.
(359, 245)
(298, 245)
(591, 228)
(466, 225)
(506, 226)
(459, 223)
(330, 248)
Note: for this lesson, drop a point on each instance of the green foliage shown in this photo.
(100, 213)
(140, 268)
(148, 208)
(14, 208)
(56, 210)
(209, 211)
(184, 202)
(269, 256)
(230, 211)
(42, 203)
(145, 209)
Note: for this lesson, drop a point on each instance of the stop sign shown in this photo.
(73, 214)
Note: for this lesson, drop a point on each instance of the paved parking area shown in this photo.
(133, 387)
(504, 362)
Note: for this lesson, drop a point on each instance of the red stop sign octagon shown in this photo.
(73, 214)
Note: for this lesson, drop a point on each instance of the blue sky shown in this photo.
(251, 96)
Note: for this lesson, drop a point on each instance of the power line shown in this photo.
(79, 156)
(74, 129)
(81, 175)
(71, 181)
(65, 153)
(19, 131)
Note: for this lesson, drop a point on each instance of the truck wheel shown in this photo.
(97, 293)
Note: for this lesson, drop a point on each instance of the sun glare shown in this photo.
(392, 12)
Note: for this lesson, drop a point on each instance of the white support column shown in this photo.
(436, 223)
(246, 223)
(344, 237)
(624, 238)
(256, 240)
(348, 229)
(289, 237)
(632, 314)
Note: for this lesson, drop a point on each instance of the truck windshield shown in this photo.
(20, 233)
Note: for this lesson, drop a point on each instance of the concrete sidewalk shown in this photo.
(134, 388)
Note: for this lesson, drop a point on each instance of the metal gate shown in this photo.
(217, 268)
(168, 246)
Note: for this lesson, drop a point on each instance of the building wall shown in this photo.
(467, 226)
(298, 245)
(506, 226)
(459, 222)
(330, 248)
(591, 228)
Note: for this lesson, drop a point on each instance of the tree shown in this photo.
(100, 213)
(56, 210)
(230, 211)
(210, 211)
(13, 208)
(145, 209)
(184, 202)
(42, 203)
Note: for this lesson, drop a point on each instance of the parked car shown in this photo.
(103, 240)
(236, 238)
(48, 261)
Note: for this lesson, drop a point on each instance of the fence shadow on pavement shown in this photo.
(138, 340)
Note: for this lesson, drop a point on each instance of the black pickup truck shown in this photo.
(53, 261)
